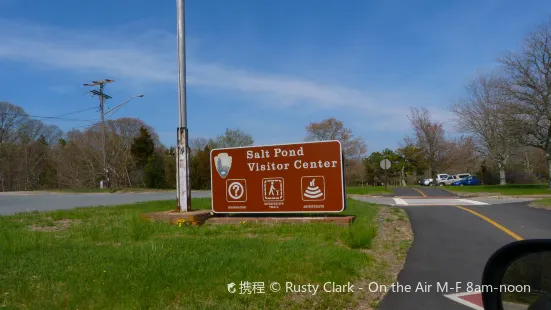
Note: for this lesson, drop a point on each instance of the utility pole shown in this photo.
(102, 96)
(182, 156)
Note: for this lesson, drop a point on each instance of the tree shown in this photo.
(353, 148)
(428, 136)
(480, 114)
(232, 138)
(373, 169)
(412, 161)
(154, 173)
(142, 148)
(200, 169)
(333, 129)
(197, 144)
(47, 175)
(529, 85)
(169, 161)
(12, 118)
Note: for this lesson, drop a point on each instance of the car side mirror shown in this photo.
(518, 276)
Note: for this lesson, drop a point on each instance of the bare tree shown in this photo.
(12, 118)
(461, 155)
(529, 84)
(333, 129)
(353, 148)
(232, 138)
(429, 136)
(197, 144)
(480, 113)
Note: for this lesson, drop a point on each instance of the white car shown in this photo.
(439, 179)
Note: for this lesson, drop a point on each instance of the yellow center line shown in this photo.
(421, 192)
(507, 231)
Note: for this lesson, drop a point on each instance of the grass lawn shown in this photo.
(509, 189)
(368, 190)
(109, 258)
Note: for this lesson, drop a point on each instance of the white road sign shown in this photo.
(385, 164)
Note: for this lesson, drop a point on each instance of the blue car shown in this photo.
(467, 181)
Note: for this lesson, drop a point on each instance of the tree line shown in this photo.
(503, 120)
(507, 111)
(34, 155)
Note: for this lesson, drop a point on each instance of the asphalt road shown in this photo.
(425, 192)
(11, 203)
(452, 245)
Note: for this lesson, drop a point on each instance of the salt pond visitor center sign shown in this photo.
(287, 178)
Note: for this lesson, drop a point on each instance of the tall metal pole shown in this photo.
(182, 155)
(106, 170)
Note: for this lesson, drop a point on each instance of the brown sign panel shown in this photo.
(301, 177)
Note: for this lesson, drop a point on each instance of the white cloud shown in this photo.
(151, 57)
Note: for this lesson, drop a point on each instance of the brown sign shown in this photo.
(302, 177)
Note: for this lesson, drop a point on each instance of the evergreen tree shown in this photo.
(200, 169)
(154, 172)
(169, 163)
(142, 148)
(62, 142)
(47, 175)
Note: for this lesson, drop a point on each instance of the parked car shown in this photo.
(463, 175)
(451, 179)
(439, 178)
(471, 180)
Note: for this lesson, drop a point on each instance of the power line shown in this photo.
(50, 117)
(79, 111)
(57, 117)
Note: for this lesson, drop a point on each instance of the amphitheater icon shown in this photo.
(313, 190)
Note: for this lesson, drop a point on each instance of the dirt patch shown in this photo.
(390, 247)
(51, 225)
(541, 205)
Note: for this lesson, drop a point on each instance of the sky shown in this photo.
(266, 67)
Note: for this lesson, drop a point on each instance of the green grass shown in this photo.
(509, 189)
(368, 190)
(109, 258)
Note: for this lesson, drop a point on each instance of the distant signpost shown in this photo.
(385, 165)
(288, 178)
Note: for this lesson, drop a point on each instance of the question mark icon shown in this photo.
(236, 190)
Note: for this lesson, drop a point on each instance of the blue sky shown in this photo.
(267, 67)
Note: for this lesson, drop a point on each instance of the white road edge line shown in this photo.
(400, 201)
(473, 202)
(455, 297)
